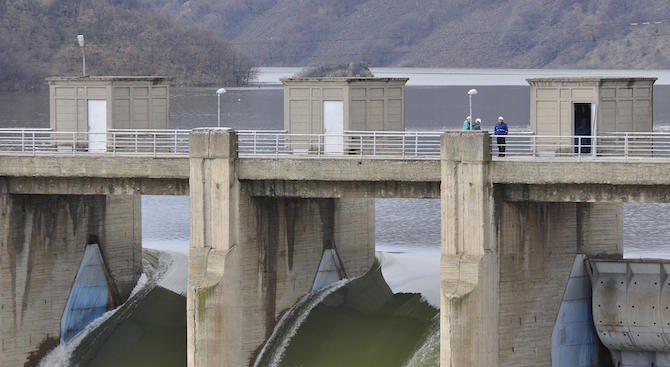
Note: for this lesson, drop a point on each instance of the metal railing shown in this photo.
(368, 144)
(606, 145)
(115, 142)
(365, 144)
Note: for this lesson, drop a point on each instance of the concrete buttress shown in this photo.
(469, 265)
(42, 243)
(252, 257)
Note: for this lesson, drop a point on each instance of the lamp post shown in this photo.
(219, 92)
(471, 93)
(80, 40)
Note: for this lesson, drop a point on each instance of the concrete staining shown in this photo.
(42, 242)
(251, 258)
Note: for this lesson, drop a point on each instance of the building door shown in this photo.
(582, 127)
(333, 127)
(97, 125)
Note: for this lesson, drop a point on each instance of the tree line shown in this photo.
(123, 37)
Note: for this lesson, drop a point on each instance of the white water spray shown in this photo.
(273, 351)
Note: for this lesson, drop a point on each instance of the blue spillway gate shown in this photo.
(90, 296)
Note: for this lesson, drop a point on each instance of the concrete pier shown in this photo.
(252, 257)
(505, 265)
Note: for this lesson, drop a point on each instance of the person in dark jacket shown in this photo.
(477, 125)
(500, 130)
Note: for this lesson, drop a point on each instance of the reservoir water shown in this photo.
(402, 226)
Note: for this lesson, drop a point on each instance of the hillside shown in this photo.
(453, 33)
(123, 37)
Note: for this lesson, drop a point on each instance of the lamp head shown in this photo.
(220, 91)
(80, 40)
(472, 92)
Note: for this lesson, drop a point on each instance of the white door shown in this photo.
(97, 126)
(333, 127)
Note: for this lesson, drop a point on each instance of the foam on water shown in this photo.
(428, 353)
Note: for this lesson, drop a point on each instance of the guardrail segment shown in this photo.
(364, 144)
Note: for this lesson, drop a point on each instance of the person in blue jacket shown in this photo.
(500, 130)
(466, 123)
(477, 125)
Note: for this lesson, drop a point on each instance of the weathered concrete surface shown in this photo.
(93, 166)
(42, 241)
(96, 186)
(94, 175)
(538, 243)
(556, 171)
(344, 189)
(587, 193)
(505, 264)
(469, 265)
(339, 169)
(251, 258)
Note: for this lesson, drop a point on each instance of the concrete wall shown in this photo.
(505, 264)
(42, 240)
(538, 243)
(251, 258)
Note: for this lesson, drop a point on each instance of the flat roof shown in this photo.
(129, 78)
(341, 79)
(592, 79)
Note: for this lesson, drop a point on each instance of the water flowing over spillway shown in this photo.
(427, 353)
(273, 350)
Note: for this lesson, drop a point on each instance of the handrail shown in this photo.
(350, 143)
(116, 142)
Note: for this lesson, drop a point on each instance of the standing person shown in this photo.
(466, 123)
(500, 131)
(477, 125)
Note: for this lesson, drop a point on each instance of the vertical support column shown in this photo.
(469, 264)
(42, 242)
(121, 244)
(214, 311)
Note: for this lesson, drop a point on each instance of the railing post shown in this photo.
(136, 137)
(416, 144)
(534, 145)
(318, 145)
(74, 142)
(23, 141)
(174, 133)
(33, 143)
(255, 138)
(374, 143)
(625, 145)
(276, 145)
(404, 136)
(360, 143)
(154, 145)
(579, 147)
(114, 143)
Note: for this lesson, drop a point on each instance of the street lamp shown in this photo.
(219, 92)
(471, 93)
(80, 40)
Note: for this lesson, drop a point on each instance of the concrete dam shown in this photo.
(531, 266)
